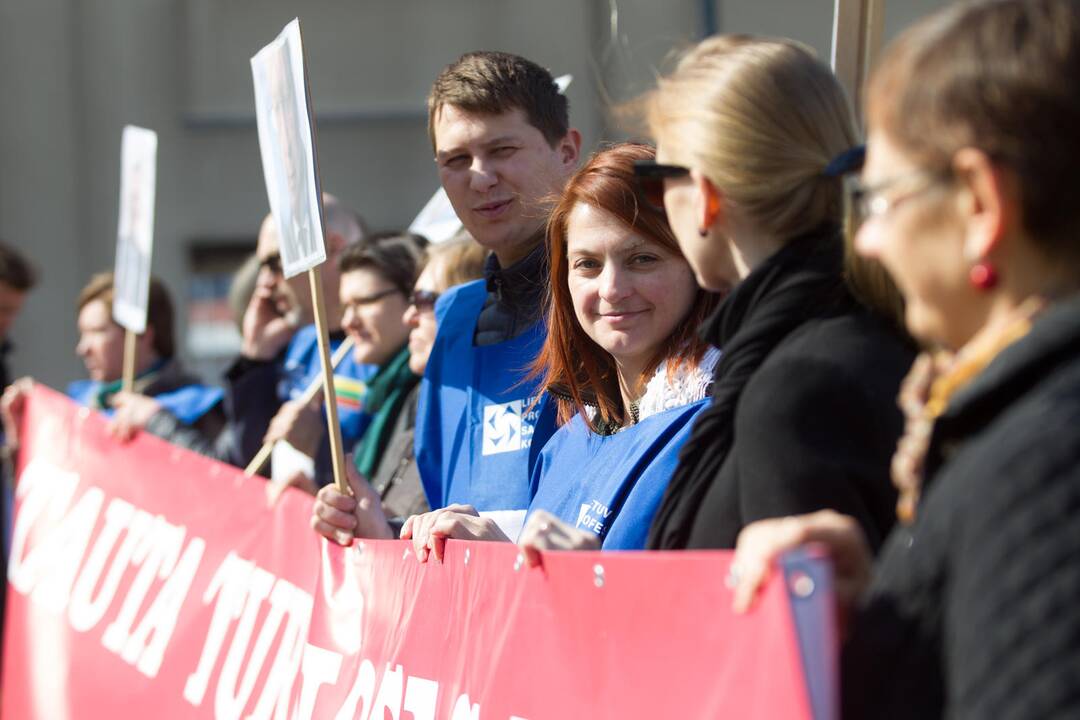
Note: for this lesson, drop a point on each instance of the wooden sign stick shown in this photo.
(310, 391)
(337, 455)
(128, 383)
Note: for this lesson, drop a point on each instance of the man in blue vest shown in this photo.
(279, 355)
(499, 128)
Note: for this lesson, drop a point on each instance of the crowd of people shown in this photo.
(751, 333)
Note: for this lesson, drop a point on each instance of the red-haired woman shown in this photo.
(622, 360)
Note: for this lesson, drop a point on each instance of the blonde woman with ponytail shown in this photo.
(753, 138)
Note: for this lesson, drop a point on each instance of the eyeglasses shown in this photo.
(357, 303)
(870, 201)
(423, 299)
(651, 176)
(271, 263)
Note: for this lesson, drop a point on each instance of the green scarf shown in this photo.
(103, 396)
(386, 393)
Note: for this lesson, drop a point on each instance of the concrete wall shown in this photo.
(72, 73)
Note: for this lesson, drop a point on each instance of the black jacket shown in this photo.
(208, 435)
(514, 297)
(973, 609)
(804, 412)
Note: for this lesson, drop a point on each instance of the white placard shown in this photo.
(135, 229)
(287, 145)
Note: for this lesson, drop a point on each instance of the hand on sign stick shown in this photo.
(430, 531)
(298, 423)
(12, 407)
(761, 543)
(340, 518)
(545, 532)
(132, 413)
(267, 327)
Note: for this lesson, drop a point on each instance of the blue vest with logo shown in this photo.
(611, 485)
(301, 365)
(478, 433)
(188, 403)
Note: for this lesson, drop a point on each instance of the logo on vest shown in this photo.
(507, 427)
(593, 517)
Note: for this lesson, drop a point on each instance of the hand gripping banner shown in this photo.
(145, 581)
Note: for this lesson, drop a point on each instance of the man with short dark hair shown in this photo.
(499, 128)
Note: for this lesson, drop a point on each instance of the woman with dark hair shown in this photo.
(622, 360)
(968, 198)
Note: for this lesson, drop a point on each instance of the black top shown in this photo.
(252, 401)
(207, 435)
(804, 412)
(973, 609)
(514, 299)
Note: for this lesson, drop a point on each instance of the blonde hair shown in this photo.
(761, 119)
(459, 260)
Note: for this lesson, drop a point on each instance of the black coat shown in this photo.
(973, 611)
(804, 412)
(816, 428)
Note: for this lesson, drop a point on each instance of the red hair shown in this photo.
(575, 370)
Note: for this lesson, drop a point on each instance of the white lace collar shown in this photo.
(686, 386)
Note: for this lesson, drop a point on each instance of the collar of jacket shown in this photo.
(813, 259)
(1054, 339)
(521, 285)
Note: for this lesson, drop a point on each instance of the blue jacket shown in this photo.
(611, 485)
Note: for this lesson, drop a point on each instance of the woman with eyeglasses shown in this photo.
(622, 361)
(969, 198)
(753, 136)
(386, 487)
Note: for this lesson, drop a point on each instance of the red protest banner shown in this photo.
(145, 580)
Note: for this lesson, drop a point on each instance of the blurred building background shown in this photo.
(74, 72)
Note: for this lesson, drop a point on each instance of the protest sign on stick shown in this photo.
(856, 41)
(290, 166)
(134, 239)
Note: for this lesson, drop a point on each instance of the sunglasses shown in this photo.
(271, 263)
(423, 299)
(651, 176)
